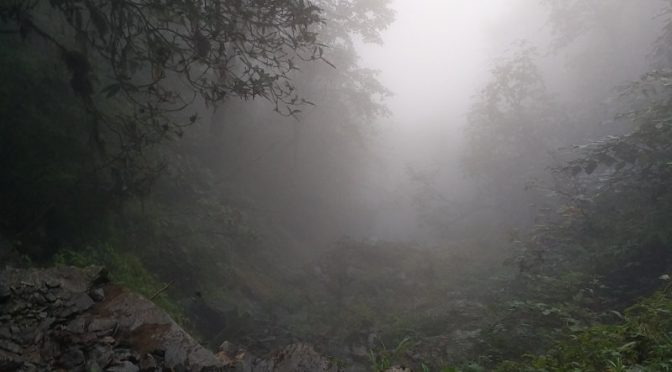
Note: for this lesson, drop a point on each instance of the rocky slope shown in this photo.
(71, 319)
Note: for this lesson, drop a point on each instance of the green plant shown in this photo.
(124, 269)
(383, 359)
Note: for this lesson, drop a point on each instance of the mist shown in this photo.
(324, 185)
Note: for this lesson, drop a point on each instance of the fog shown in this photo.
(450, 185)
(437, 56)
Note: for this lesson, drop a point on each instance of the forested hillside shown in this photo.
(274, 172)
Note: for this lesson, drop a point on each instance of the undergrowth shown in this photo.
(124, 269)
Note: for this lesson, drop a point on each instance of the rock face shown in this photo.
(72, 319)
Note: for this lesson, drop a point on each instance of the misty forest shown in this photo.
(335, 185)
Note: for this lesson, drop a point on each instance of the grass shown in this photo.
(125, 269)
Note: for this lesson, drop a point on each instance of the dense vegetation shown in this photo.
(132, 132)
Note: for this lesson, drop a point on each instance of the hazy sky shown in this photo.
(438, 52)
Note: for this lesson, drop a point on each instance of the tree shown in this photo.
(509, 131)
(151, 59)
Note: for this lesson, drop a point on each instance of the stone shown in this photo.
(228, 348)
(97, 294)
(92, 366)
(49, 297)
(52, 283)
(5, 293)
(101, 354)
(76, 326)
(72, 358)
(124, 366)
(81, 303)
(399, 369)
(148, 363)
(5, 333)
(175, 356)
(10, 346)
(103, 327)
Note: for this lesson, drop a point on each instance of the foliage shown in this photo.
(641, 341)
(138, 67)
(124, 269)
(384, 358)
(511, 123)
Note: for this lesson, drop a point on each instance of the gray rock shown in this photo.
(97, 294)
(5, 292)
(102, 355)
(103, 326)
(295, 358)
(72, 358)
(124, 366)
(52, 283)
(175, 355)
(81, 303)
(76, 326)
(10, 346)
(148, 363)
(92, 366)
(228, 348)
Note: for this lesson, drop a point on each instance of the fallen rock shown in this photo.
(65, 318)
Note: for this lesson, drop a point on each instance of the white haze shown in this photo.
(435, 58)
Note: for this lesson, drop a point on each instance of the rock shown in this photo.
(228, 348)
(71, 358)
(81, 303)
(92, 366)
(76, 326)
(399, 369)
(102, 355)
(359, 351)
(10, 346)
(296, 358)
(64, 320)
(103, 327)
(52, 283)
(175, 356)
(97, 294)
(124, 366)
(9, 363)
(5, 292)
(148, 363)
